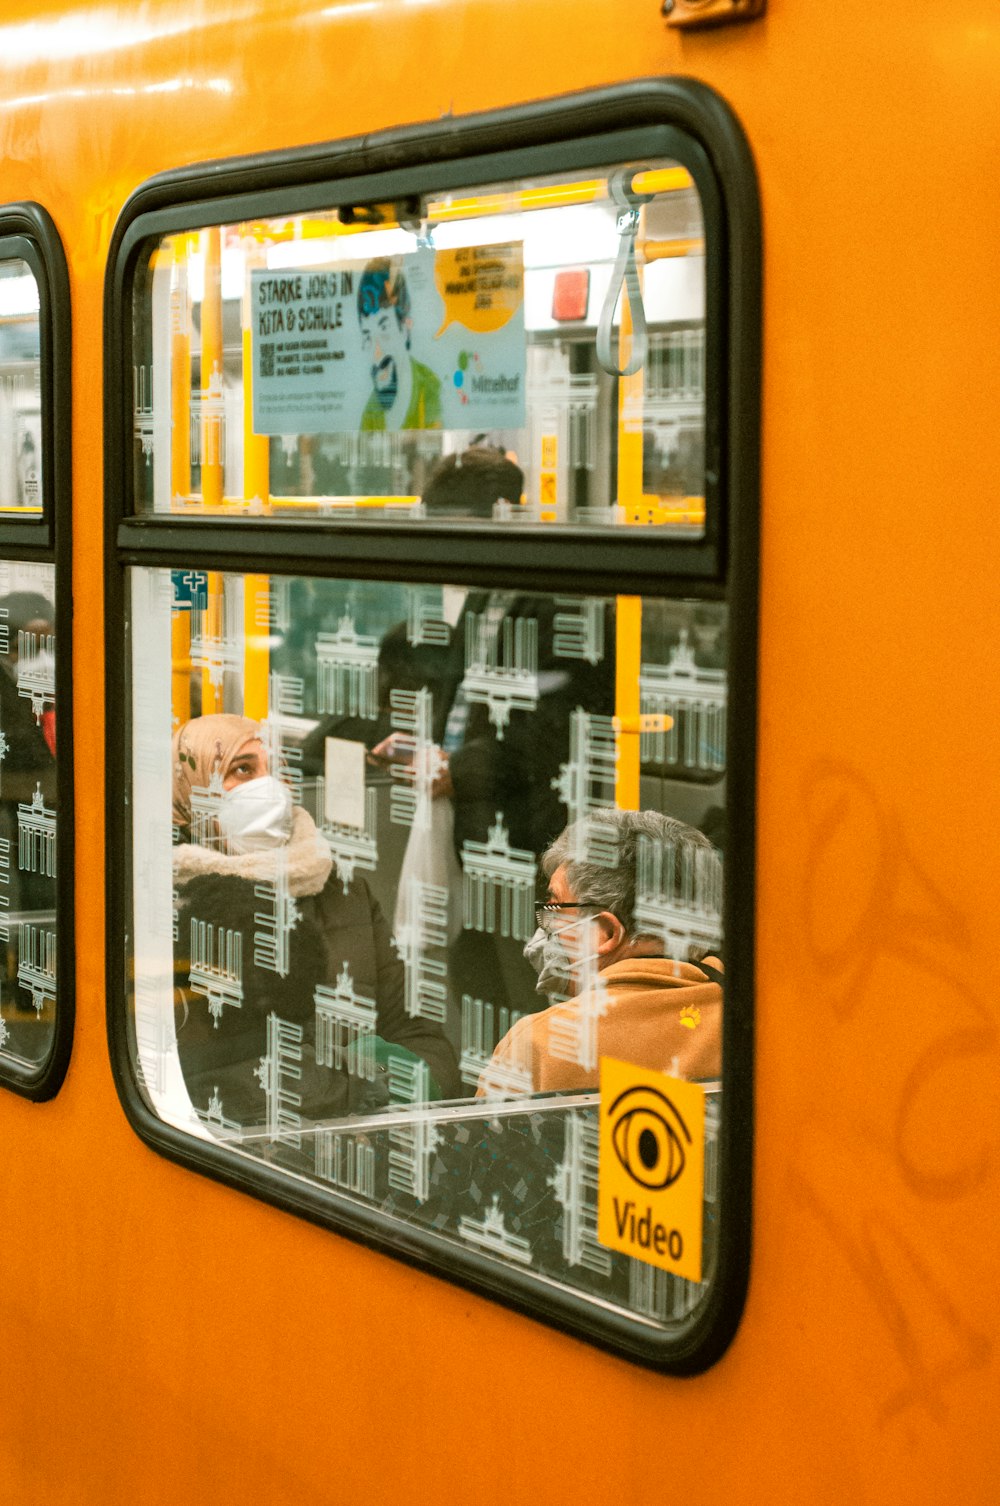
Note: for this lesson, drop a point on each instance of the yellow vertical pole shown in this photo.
(212, 697)
(256, 447)
(211, 370)
(180, 374)
(628, 657)
(631, 391)
(256, 492)
(211, 439)
(180, 658)
(628, 619)
(180, 459)
(257, 647)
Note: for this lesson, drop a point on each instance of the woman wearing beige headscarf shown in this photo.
(233, 815)
(239, 843)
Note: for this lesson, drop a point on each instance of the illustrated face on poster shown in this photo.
(429, 340)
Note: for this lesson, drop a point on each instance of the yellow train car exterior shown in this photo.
(143, 1361)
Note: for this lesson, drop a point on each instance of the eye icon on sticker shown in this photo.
(649, 1137)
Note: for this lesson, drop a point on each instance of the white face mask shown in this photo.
(256, 815)
(551, 962)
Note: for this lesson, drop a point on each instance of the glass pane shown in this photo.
(20, 390)
(400, 885)
(27, 812)
(544, 340)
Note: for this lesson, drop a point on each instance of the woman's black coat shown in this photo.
(220, 1057)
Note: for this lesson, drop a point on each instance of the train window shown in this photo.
(35, 721)
(446, 772)
(341, 363)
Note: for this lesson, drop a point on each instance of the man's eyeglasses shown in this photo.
(550, 910)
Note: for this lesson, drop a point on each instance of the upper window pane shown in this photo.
(20, 390)
(548, 334)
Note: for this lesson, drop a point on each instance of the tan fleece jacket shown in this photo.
(658, 1013)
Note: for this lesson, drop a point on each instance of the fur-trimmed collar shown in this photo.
(306, 860)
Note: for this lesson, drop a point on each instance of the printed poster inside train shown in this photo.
(428, 340)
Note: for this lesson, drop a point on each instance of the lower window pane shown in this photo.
(27, 812)
(408, 863)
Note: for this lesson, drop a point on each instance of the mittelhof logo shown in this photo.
(652, 1167)
(472, 380)
(467, 367)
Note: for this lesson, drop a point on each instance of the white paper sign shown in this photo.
(344, 803)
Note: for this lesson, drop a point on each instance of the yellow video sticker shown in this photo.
(651, 1174)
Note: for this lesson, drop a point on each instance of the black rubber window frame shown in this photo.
(28, 233)
(677, 118)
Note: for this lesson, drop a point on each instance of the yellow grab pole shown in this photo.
(667, 250)
(213, 697)
(256, 493)
(631, 391)
(256, 447)
(180, 374)
(628, 619)
(211, 370)
(628, 658)
(257, 647)
(180, 459)
(180, 664)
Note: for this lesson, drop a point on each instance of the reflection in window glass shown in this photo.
(20, 390)
(27, 811)
(400, 883)
(343, 363)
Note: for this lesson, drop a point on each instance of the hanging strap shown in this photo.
(625, 277)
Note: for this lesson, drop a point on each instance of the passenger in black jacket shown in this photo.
(511, 772)
(262, 922)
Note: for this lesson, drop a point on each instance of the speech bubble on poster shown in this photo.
(481, 287)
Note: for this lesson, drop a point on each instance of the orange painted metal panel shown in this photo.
(166, 1339)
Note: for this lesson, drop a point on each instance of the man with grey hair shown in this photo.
(627, 942)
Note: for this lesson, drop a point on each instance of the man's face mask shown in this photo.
(255, 815)
(545, 953)
(555, 952)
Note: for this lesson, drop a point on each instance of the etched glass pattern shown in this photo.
(334, 981)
